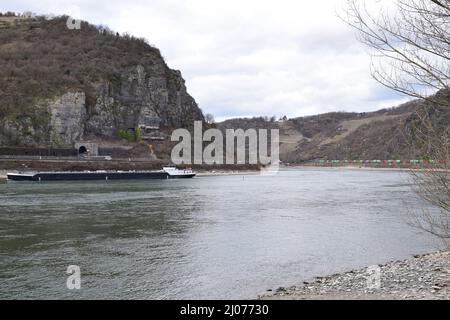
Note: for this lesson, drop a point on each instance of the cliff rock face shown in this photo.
(138, 98)
(67, 117)
(134, 99)
(61, 86)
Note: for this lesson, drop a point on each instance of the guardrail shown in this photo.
(36, 158)
(80, 158)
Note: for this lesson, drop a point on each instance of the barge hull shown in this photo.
(95, 176)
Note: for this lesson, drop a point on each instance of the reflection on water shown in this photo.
(210, 237)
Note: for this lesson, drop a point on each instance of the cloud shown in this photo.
(246, 58)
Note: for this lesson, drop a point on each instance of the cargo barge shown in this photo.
(165, 173)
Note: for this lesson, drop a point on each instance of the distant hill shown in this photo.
(385, 134)
(59, 86)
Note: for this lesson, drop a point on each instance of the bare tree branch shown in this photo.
(410, 48)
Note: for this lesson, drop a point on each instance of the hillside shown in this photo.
(384, 135)
(59, 86)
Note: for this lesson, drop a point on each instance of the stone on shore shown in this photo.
(423, 277)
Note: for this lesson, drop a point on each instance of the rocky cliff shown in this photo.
(60, 85)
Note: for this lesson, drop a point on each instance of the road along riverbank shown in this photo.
(115, 164)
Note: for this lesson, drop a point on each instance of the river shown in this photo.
(218, 237)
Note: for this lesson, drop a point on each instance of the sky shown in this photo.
(246, 58)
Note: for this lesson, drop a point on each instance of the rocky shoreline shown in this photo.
(424, 277)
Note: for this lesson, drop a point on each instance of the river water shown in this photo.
(221, 237)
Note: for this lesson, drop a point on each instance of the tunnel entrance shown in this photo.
(82, 150)
(85, 148)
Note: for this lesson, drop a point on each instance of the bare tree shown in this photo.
(428, 135)
(410, 44)
(209, 118)
(410, 51)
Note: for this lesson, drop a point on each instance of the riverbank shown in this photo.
(424, 277)
(15, 165)
(357, 168)
(349, 167)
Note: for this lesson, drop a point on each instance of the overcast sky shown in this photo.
(246, 58)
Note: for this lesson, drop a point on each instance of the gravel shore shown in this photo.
(425, 277)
